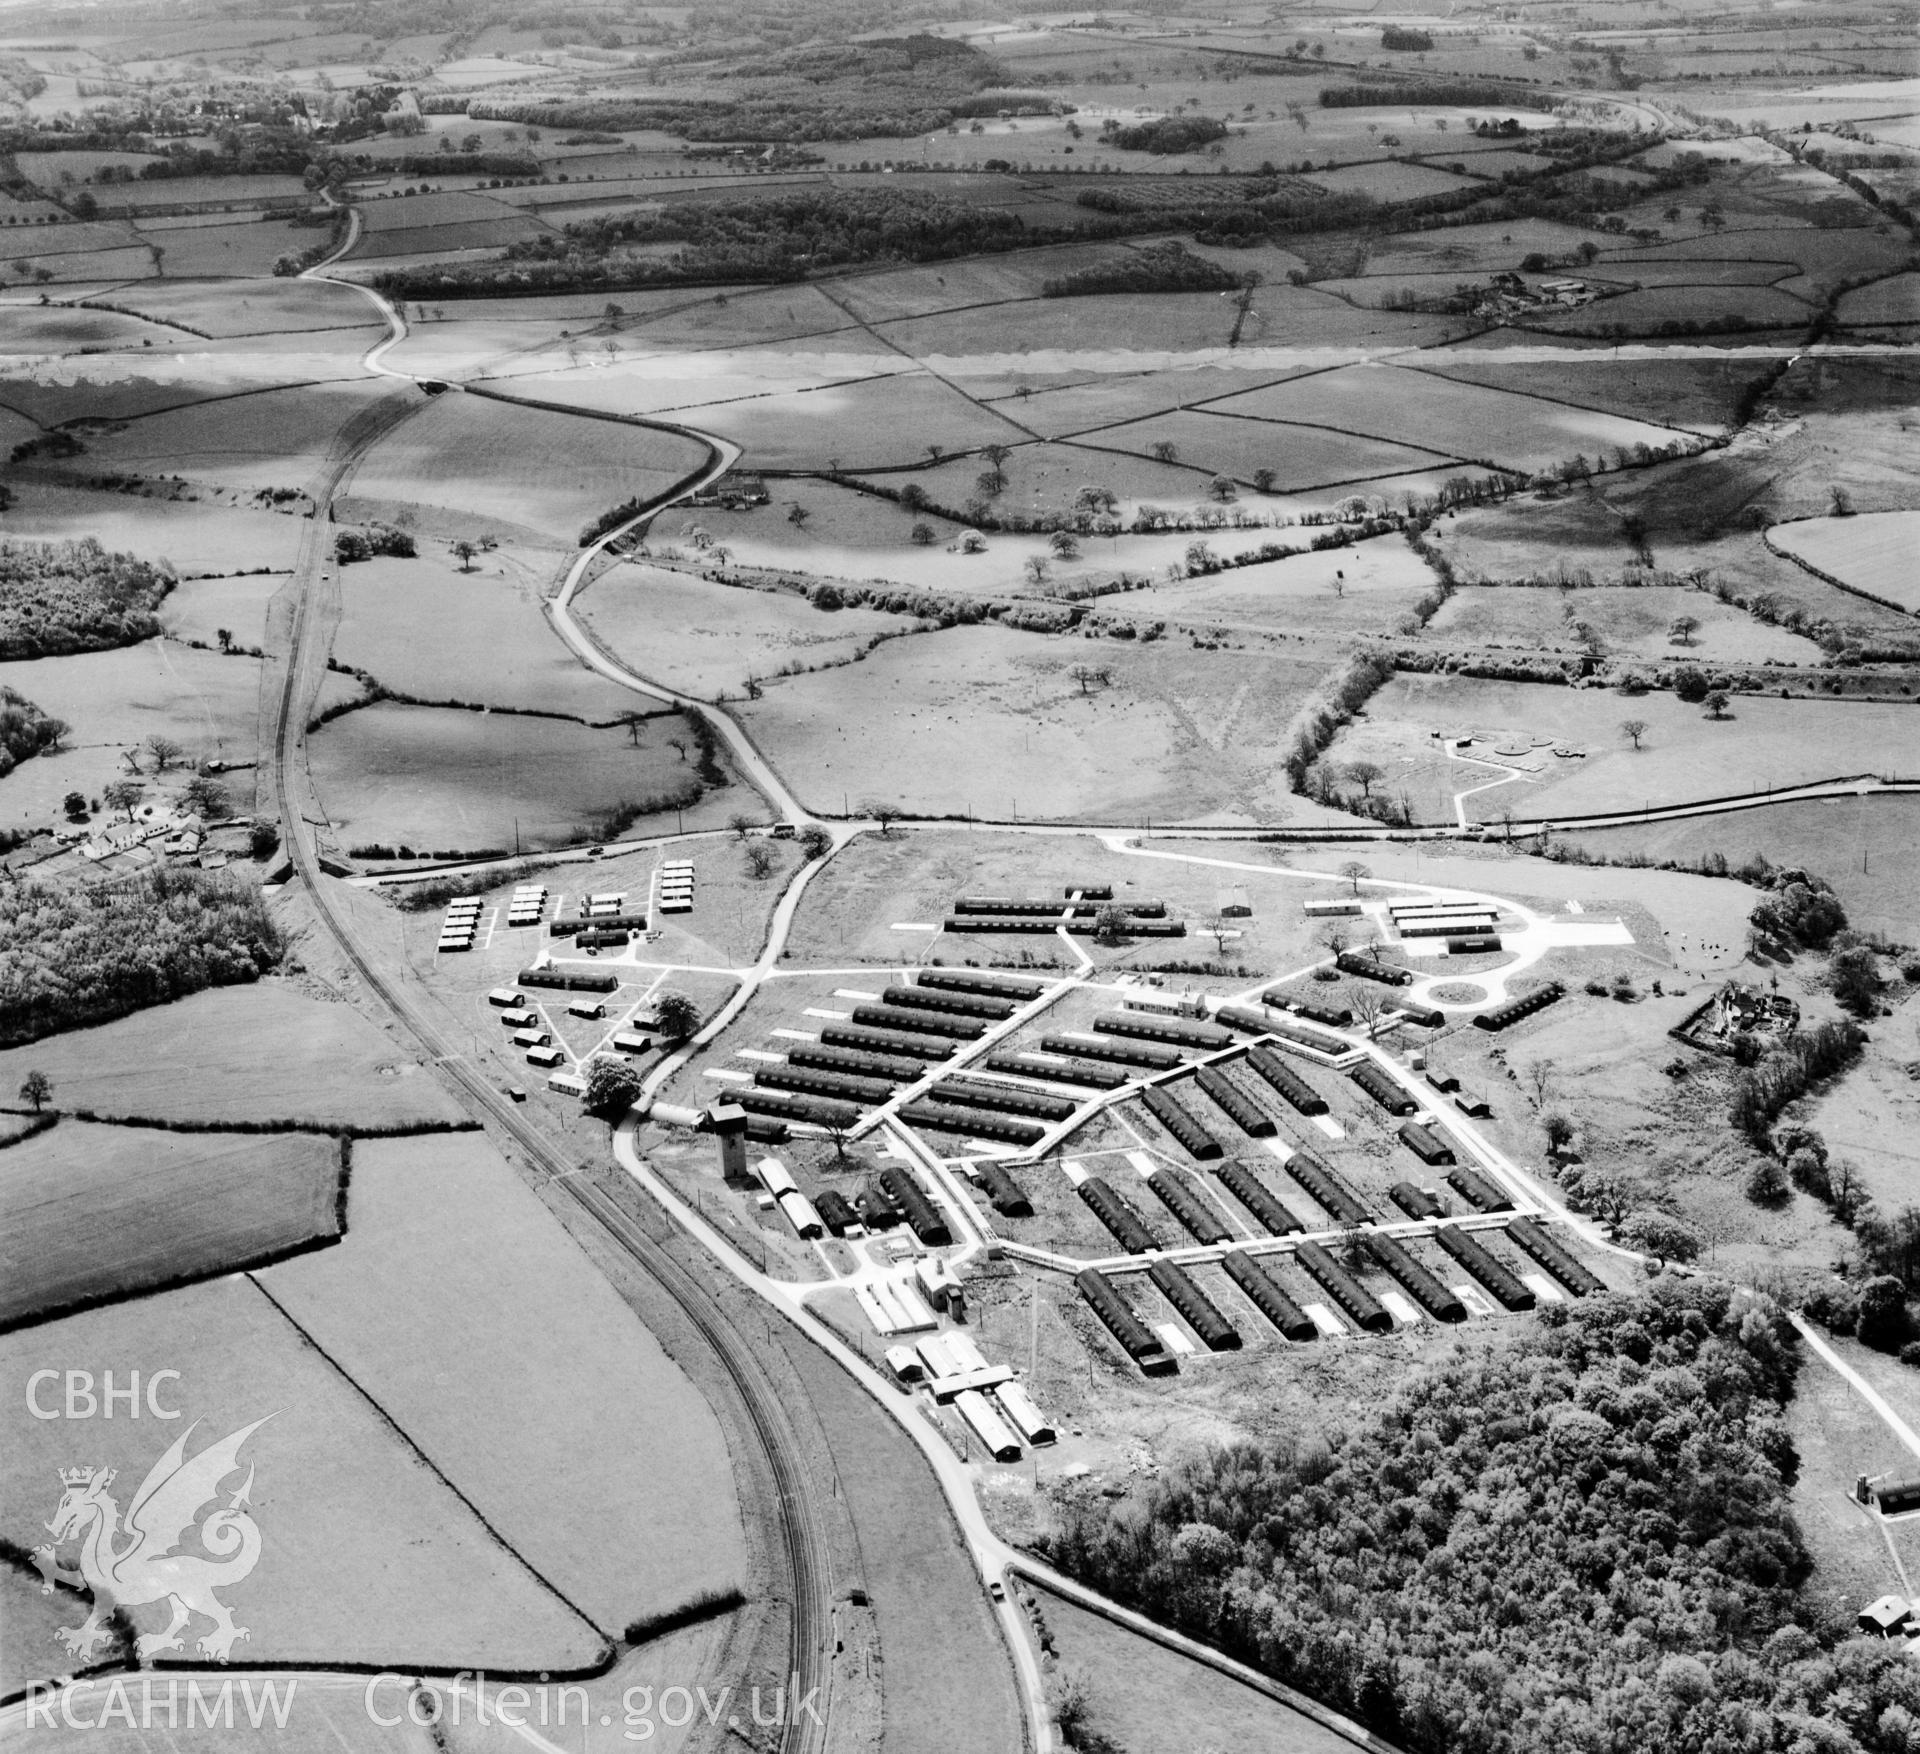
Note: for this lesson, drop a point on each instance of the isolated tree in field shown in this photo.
(1539, 1078)
(1355, 873)
(1633, 730)
(1223, 488)
(1263, 480)
(996, 454)
(1336, 935)
(1682, 629)
(75, 805)
(205, 797)
(1164, 450)
(676, 1016)
(1064, 544)
(991, 483)
(1038, 569)
(759, 857)
(1366, 775)
(164, 750)
(921, 535)
(1656, 1234)
(1559, 1131)
(1717, 703)
(123, 795)
(797, 515)
(882, 812)
(36, 1088)
(741, 824)
(1841, 501)
(225, 636)
(612, 1088)
(632, 721)
(464, 551)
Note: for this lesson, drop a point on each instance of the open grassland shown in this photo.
(1048, 477)
(1516, 432)
(707, 638)
(31, 1651)
(1873, 553)
(197, 609)
(442, 777)
(226, 249)
(1868, 1116)
(93, 1212)
(448, 1259)
(1172, 322)
(277, 307)
(425, 628)
(992, 722)
(1706, 308)
(1763, 743)
(191, 536)
(368, 1557)
(68, 328)
(1893, 300)
(1863, 847)
(1699, 393)
(1300, 456)
(1150, 1700)
(1626, 619)
(253, 1054)
(1371, 587)
(474, 466)
(114, 701)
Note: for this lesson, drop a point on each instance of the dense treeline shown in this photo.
(1761, 1093)
(71, 957)
(1168, 134)
(1425, 93)
(24, 729)
(61, 597)
(1579, 1541)
(1168, 267)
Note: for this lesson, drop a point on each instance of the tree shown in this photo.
(1109, 926)
(741, 824)
(75, 805)
(205, 797)
(1717, 703)
(798, 514)
(816, 841)
(1690, 685)
(1355, 873)
(1064, 545)
(123, 795)
(882, 812)
(1366, 1001)
(263, 841)
(1882, 1320)
(225, 636)
(675, 743)
(1263, 480)
(1559, 1131)
(1841, 501)
(164, 750)
(1767, 1183)
(1539, 1077)
(36, 1088)
(1038, 569)
(1634, 730)
(1223, 488)
(1854, 975)
(465, 550)
(612, 1088)
(1366, 775)
(1657, 1234)
(759, 858)
(921, 535)
(1682, 629)
(1164, 450)
(675, 1016)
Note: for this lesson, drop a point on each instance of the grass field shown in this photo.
(465, 458)
(708, 638)
(448, 1257)
(427, 629)
(1894, 300)
(1874, 552)
(1301, 457)
(1709, 308)
(194, 536)
(1387, 402)
(1763, 743)
(1632, 619)
(440, 777)
(276, 307)
(94, 1212)
(226, 249)
(367, 1555)
(990, 721)
(265, 1052)
(196, 609)
(1699, 393)
(1149, 1700)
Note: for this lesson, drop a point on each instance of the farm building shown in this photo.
(1136, 1339)
(1478, 1192)
(1425, 1143)
(1196, 1215)
(1416, 1202)
(1234, 1103)
(1057, 1071)
(903, 1188)
(1129, 1229)
(1534, 1239)
(1383, 1089)
(1193, 1137)
(974, 1123)
(1492, 1273)
(1258, 1199)
(1006, 1195)
(1128, 1053)
(1267, 1296)
(1196, 1308)
(1416, 1280)
(1356, 1302)
(1295, 1089)
(1326, 1187)
(1514, 1010)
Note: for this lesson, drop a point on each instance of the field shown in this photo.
(449, 1258)
(1873, 553)
(989, 721)
(194, 536)
(1699, 393)
(1300, 456)
(276, 307)
(1762, 744)
(196, 609)
(442, 777)
(261, 1053)
(368, 1558)
(463, 458)
(706, 638)
(97, 1212)
(1627, 620)
(1150, 1700)
(427, 629)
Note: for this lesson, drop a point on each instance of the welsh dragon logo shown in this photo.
(140, 1563)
